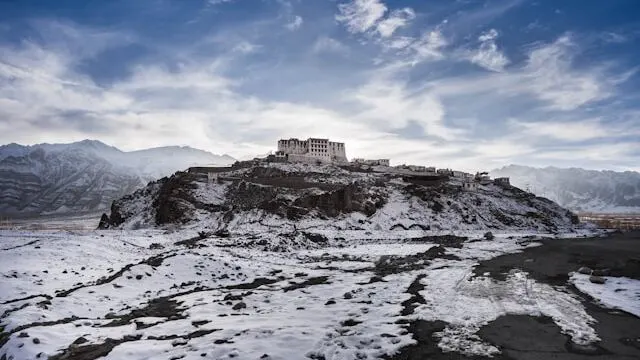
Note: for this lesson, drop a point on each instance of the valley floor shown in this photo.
(149, 294)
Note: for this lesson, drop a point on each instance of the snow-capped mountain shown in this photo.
(579, 189)
(83, 176)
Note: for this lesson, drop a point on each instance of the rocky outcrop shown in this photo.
(350, 198)
(173, 203)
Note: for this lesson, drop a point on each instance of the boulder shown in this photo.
(597, 279)
(240, 305)
(316, 238)
(602, 272)
(585, 270)
(104, 222)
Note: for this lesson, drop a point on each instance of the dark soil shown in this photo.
(254, 284)
(522, 337)
(527, 338)
(93, 351)
(426, 346)
(160, 307)
(409, 305)
(444, 240)
(391, 264)
(309, 282)
(552, 262)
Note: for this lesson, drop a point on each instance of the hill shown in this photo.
(293, 197)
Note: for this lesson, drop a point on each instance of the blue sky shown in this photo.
(468, 84)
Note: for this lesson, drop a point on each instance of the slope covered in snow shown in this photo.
(84, 176)
(578, 189)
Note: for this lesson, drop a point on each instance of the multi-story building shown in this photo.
(312, 150)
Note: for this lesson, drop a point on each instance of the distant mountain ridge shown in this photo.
(579, 189)
(84, 176)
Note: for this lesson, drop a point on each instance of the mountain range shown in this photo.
(578, 189)
(85, 176)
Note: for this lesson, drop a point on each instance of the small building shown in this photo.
(484, 179)
(470, 185)
(502, 181)
(371, 162)
(447, 172)
(430, 169)
(417, 168)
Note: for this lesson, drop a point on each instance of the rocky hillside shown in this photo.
(83, 177)
(294, 197)
(578, 189)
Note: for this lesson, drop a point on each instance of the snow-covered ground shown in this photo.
(145, 294)
(616, 293)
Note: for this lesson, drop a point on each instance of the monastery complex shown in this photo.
(323, 151)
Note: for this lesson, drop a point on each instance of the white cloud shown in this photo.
(550, 76)
(503, 149)
(328, 44)
(429, 46)
(390, 104)
(608, 153)
(245, 47)
(360, 16)
(397, 19)
(368, 17)
(568, 131)
(295, 24)
(615, 38)
(397, 42)
(490, 35)
(487, 55)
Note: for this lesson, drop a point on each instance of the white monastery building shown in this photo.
(312, 150)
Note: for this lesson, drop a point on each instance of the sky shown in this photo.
(467, 84)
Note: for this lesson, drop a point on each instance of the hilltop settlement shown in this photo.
(310, 184)
(323, 151)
